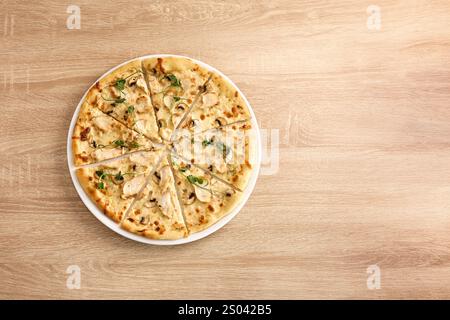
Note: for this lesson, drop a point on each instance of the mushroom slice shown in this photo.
(141, 83)
(202, 194)
(103, 154)
(141, 104)
(220, 121)
(168, 100)
(210, 99)
(188, 197)
(102, 122)
(180, 110)
(133, 186)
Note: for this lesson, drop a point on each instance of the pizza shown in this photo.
(99, 137)
(164, 146)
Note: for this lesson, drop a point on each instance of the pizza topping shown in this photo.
(118, 178)
(168, 100)
(202, 194)
(84, 134)
(102, 122)
(220, 121)
(166, 204)
(120, 84)
(166, 177)
(174, 81)
(209, 100)
(141, 104)
(133, 186)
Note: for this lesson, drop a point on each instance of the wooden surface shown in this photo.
(364, 174)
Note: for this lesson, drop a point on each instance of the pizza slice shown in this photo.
(226, 153)
(219, 105)
(174, 84)
(204, 198)
(99, 137)
(112, 186)
(157, 214)
(123, 94)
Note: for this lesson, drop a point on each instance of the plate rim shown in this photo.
(192, 237)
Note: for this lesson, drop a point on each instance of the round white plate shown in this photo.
(195, 236)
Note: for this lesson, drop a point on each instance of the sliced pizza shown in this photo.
(99, 137)
(123, 94)
(174, 83)
(157, 214)
(204, 199)
(219, 105)
(226, 153)
(113, 185)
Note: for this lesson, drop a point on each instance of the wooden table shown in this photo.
(364, 164)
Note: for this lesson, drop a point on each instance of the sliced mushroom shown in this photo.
(141, 83)
(188, 197)
(150, 204)
(141, 104)
(210, 99)
(192, 123)
(103, 154)
(220, 121)
(156, 177)
(132, 80)
(202, 194)
(133, 186)
(102, 122)
(117, 180)
(177, 116)
(168, 101)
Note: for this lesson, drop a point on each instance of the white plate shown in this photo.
(195, 236)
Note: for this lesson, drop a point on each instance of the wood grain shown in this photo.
(364, 174)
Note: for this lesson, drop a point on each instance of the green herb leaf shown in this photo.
(130, 109)
(101, 185)
(119, 100)
(176, 99)
(119, 143)
(134, 145)
(120, 84)
(174, 82)
(183, 169)
(99, 173)
(194, 180)
(206, 143)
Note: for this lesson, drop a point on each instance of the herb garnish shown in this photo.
(174, 81)
(120, 84)
(194, 180)
(206, 142)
